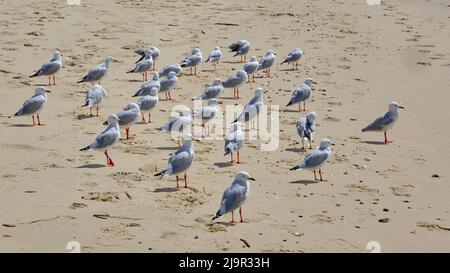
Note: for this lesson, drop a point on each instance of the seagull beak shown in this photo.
(252, 179)
(196, 139)
(314, 82)
(401, 107)
(48, 91)
(115, 60)
(105, 123)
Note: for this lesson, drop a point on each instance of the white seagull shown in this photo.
(50, 69)
(34, 105)
(386, 122)
(315, 160)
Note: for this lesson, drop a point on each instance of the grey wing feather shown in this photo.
(181, 161)
(105, 139)
(49, 69)
(31, 105)
(232, 199)
(315, 159)
(380, 123)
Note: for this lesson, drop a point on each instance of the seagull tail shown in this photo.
(140, 59)
(296, 168)
(82, 80)
(216, 215)
(161, 174)
(289, 104)
(85, 148)
(35, 74)
(285, 61)
(207, 60)
(130, 71)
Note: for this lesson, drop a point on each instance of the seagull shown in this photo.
(234, 141)
(168, 84)
(386, 122)
(34, 105)
(251, 67)
(148, 86)
(148, 103)
(144, 65)
(215, 56)
(128, 117)
(94, 97)
(164, 72)
(178, 125)
(293, 57)
(206, 113)
(193, 60)
(241, 48)
(50, 69)
(306, 128)
(97, 73)
(154, 51)
(302, 93)
(212, 91)
(181, 161)
(235, 82)
(106, 139)
(267, 61)
(252, 108)
(235, 196)
(315, 160)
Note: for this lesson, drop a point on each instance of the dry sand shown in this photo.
(362, 56)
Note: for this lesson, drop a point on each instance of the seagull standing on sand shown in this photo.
(211, 92)
(241, 48)
(251, 67)
(235, 82)
(252, 108)
(148, 86)
(306, 128)
(315, 160)
(386, 122)
(267, 62)
(144, 65)
(129, 116)
(193, 60)
(94, 97)
(215, 56)
(234, 141)
(154, 52)
(97, 73)
(302, 93)
(179, 125)
(164, 72)
(168, 84)
(50, 69)
(34, 105)
(206, 113)
(181, 161)
(235, 196)
(293, 57)
(148, 103)
(106, 139)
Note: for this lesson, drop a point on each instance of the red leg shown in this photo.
(240, 214)
(310, 144)
(300, 106)
(149, 116)
(185, 181)
(97, 111)
(54, 80)
(170, 97)
(234, 93)
(232, 216)
(237, 157)
(304, 106)
(165, 94)
(303, 144)
(237, 92)
(177, 182)
(315, 177)
(34, 123)
(49, 82)
(195, 70)
(39, 121)
(143, 118)
(231, 158)
(320, 174)
(385, 137)
(127, 132)
(90, 111)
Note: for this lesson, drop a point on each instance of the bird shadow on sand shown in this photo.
(228, 224)
(233, 62)
(296, 150)
(209, 70)
(227, 98)
(223, 164)
(304, 182)
(136, 81)
(166, 189)
(293, 111)
(83, 116)
(91, 166)
(373, 142)
(168, 148)
(287, 69)
(45, 84)
(21, 125)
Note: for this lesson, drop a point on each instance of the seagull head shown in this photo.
(310, 81)
(217, 82)
(187, 139)
(324, 144)
(243, 176)
(212, 102)
(155, 76)
(253, 59)
(311, 116)
(235, 126)
(153, 91)
(41, 90)
(258, 91)
(171, 75)
(196, 50)
(394, 106)
(130, 106)
(112, 119)
(241, 74)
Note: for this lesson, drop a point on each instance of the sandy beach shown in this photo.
(362, 56)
